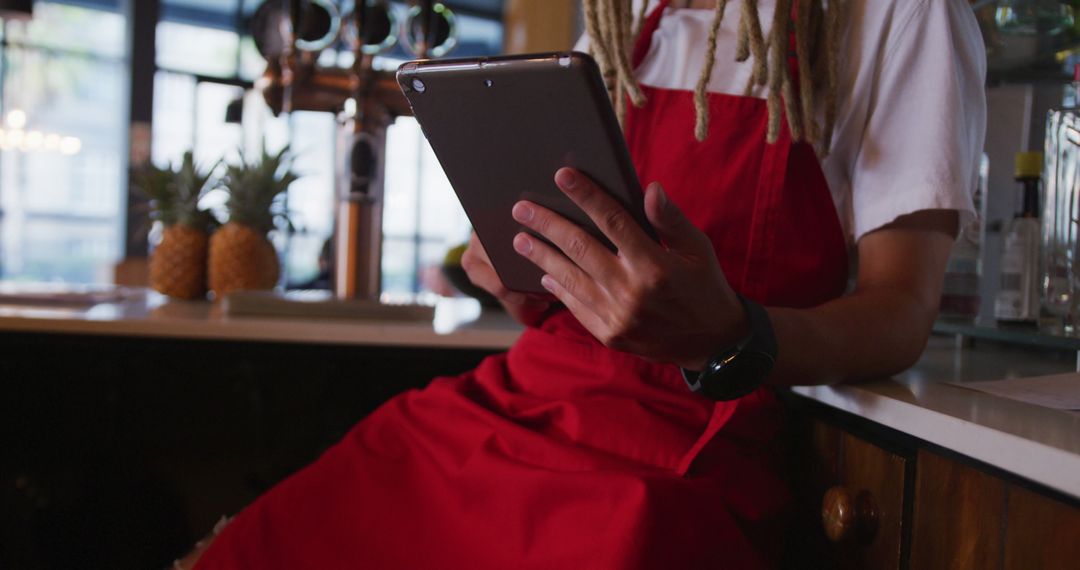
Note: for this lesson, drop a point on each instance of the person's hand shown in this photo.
(525, 309)
(667, 302)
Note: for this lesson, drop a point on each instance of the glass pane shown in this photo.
(432, 253)
(174, 117)
(441, 215)
(304, 263)
(210, 13)
(60, 26)
(196, 49)
(252, 65)
(478, 36)
(398, 266)
(61, 166)
(214, 138)
(403, 146)
(61, 249)
(311, 198)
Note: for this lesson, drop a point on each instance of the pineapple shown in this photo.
(178, 263)
(241, 255)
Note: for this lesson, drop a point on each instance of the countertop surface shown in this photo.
(458, 324)
(1040, 444)
(1037, 443)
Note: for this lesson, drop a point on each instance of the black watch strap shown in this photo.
(762, 337)
(739, 369)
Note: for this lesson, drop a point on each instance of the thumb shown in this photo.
(669, 221)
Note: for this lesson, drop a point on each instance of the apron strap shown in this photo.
(644, 39)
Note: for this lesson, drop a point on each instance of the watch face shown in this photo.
(738, 376)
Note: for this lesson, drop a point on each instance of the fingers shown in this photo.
(678, 232)
(571, 278)
(582, 311)
(608, 215)
(582, 248)
(477, 266)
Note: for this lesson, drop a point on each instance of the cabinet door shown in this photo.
(958, 516)
(874, 478)
(850, 498)
(1041, 532)
(815, 461)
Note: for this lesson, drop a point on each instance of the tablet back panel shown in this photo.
(502, 126)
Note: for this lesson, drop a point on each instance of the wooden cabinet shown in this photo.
(1040, 532)
(875, 478)
(852, 501)
(871, 498)
(957, 516)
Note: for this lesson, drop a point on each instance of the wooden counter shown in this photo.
(458, 324)
(1037, 443)
(196, 413)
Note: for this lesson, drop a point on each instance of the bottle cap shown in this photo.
(1029, 164)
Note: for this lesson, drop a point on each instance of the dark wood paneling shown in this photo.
(815, 461)
(957, 517)
(866, 468)
(121, 452)
(1041, 533)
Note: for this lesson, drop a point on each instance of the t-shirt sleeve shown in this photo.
(927, 119)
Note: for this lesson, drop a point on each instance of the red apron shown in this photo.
(563, 453)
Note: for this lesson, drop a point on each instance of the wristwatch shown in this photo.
(739, 369)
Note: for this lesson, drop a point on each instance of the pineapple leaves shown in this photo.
(256, 190)
(175, 194)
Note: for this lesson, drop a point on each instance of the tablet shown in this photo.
(502, 126)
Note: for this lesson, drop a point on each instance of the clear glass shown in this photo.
(62, 153)
(252, 64)
(420, 205)
(1032, 17)
(197, 49)
(311, 198)
(398, 265)
(404, 145)
(214, 138)
(1061, 210)
(71, 29)
(174, 117)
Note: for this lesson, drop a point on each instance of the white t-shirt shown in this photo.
(912, 110)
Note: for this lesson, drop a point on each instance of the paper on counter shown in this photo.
(1059, 391)
(61, 294)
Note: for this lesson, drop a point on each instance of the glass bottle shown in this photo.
(1061, 208)
(960, 299)
(1018, 293)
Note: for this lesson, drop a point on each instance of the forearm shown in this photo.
(881, 328)
(864, 335)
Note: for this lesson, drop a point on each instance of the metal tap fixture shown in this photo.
(366, 101)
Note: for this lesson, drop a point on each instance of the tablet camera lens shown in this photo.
(488, 82)
(418, 85)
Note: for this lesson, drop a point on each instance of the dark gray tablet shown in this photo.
(502, 126)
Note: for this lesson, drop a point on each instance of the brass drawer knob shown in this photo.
(848, 516)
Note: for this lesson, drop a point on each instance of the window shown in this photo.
(422, 217)
(63, 137)
(63, 143)
(201, 42)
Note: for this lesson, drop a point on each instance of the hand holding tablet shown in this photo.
(502, 127)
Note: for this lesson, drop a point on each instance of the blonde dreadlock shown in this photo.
(612, 28)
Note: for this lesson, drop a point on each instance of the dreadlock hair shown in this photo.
(613, 28)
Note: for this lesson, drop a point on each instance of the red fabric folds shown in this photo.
(563, 453)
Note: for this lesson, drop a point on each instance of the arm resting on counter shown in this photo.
(882, 327)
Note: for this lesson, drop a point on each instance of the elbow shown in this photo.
(911, 336)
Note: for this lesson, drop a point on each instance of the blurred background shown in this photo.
(119, 452)
(66, 89)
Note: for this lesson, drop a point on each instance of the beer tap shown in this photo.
(365, 100)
